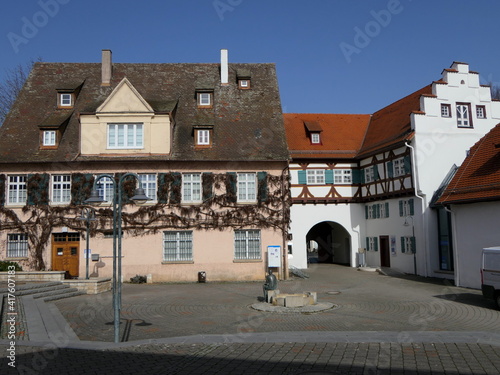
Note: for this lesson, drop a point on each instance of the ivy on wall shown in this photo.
(218, 210)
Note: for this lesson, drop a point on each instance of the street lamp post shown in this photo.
(407, 224)
(139, 197)
(88, 215)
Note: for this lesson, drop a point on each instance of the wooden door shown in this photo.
(66, 253)
(385, 252)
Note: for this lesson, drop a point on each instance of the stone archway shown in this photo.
(329, 242)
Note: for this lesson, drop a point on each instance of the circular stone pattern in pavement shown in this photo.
(321, 306)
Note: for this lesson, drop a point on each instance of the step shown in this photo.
(56, 292)
(31, 286)
(36, 291)
(63, 295)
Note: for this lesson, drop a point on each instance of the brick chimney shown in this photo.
(224, 67)
(106, 67)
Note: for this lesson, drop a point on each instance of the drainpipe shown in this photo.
(285, 224)
(422, 199)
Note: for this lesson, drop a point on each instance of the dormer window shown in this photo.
(49, 138)
(66, 100)
(202, 136)
(205, 99)
(244, 84)
(315, 138)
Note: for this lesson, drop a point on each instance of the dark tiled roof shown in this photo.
(392, 124)
(478, 178)
(247, 124)
(341, 136)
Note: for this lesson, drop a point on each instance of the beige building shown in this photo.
(205, 141)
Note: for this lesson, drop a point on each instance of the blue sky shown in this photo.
(331, 56)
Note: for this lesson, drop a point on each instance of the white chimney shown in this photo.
(224, 67)
(106, 67)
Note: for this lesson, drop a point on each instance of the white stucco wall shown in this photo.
(475, 226)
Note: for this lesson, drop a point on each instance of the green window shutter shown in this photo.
(207, 181)
(231, 190)
(367, 243)
(376, 175)
(403, 245)
(413, 245)
(163, 187)
(366, 212)
(175, 188)
(407, 164)
(412, 207)
(302, 177)
(262, 190)
(38, 189)
(81, 187)
(390, 169)
(356, 176)
(375, 242)
(378, 211)
(386, 209)
(401, 208)
(329, 176)
(362, 176)
(2, 189)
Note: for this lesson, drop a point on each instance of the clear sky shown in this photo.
(332, 56)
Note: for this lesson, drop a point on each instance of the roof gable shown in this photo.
(124, 98)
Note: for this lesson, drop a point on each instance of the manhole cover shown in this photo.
(333, 292)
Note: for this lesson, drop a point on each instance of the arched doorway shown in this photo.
(329, 242)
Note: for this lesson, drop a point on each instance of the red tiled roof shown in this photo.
(478, 179)
(341, 136)
(392, 124)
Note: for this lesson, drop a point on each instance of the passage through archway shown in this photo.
(328, 242)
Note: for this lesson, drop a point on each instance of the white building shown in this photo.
(358, 179)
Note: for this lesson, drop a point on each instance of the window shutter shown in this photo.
(262, 186)
(413, 245)
(81, 186)
(366, 212)
(375, 243)
(367, 243)
(207, 182)
(386, 209)
(176, 188)
(302, 177)
(356, 176)
(412, 207)
(376, 211)
(403, 245)
(329, 176)
(407, 164)
(376, 175)
(231, 191)
(401, 208)
(390, 169)
(38, 189)
(362, 175)
(163, 188)
(2, 190)
(128, 187)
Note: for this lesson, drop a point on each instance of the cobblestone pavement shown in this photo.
(382, 325)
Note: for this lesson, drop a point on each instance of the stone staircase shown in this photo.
(49, 291)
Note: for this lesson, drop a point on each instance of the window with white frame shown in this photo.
(369, 174)
(244, 83)
(463, 115)
(205, 99)
(148, 183)
(17, 189)
(247, 244)
(315, 176)
(123, 136)
(177, 246)
(398, 167)
(17, 245)
(105, 189)
(372, 243)
(480, 111)
(370, 212)
(65, 100)
(247, 187)
(445, 110)
(203, 137)
(342, 176)
(61, 188)
(49, 138)
(408, 245)
(315, 138)
(406, 207)
(191, 187)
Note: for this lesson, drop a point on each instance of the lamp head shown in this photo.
(94, 199)
(140, 196)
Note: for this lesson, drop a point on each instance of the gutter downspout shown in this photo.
(422, 198)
